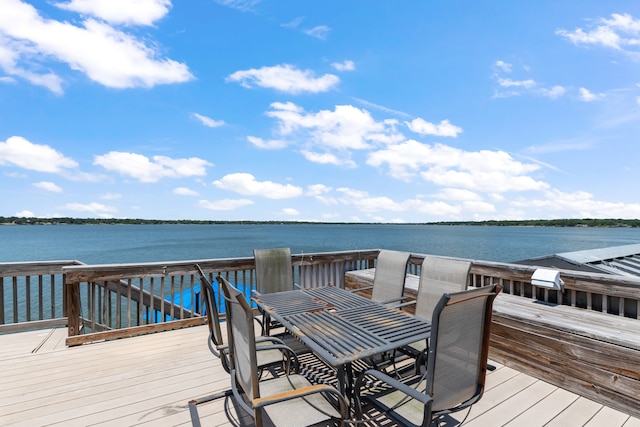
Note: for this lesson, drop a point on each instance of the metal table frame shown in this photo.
(342, 327)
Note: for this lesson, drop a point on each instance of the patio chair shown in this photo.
(389, 278)
(269, 354)
(457, 364)
(438, 276)
(287, 401)
(267, 357)
(274, 273)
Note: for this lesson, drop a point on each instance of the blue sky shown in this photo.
(378, 111)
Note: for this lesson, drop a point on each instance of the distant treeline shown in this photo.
(585, 222)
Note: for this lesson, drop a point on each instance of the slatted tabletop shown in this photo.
(340, 326)
(344, 336)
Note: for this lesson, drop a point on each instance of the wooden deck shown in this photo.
(149, 380)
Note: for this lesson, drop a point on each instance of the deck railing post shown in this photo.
(72, 299)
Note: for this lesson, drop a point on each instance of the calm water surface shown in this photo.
(100, 244)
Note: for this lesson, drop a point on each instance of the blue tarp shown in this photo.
(186, 296)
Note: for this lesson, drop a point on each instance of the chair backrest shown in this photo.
(241, 339)
(390, 275)
(459, 347)
(438, 276)
(273, 270)
(211, 307)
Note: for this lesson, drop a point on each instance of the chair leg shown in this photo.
(193, 410)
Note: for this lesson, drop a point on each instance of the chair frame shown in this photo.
(257, 402)
(427, 397)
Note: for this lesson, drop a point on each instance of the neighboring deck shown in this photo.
(149, 380)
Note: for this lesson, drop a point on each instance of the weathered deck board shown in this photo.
(149, 380)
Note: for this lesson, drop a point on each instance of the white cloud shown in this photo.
(329, 137)
(366, 203)
(111, 196)
(183, 191)
(225, 204)
(295, 23)
(478, 206)
(246, 184)
(382, 108)
(554, 92)
(527, 84)
(577, 144)
(344, 66)
(503, 66)
(242, 5)
(25, 214)
(458, 194)
(106, 55)
(48, 186)
(621, 32)
(17, 151)
(327, 159)
(127, 12)
(95, 208)
(151, 170)
(290, 212)
(580, 204)
(285, 78)
(207, 121)
(317, 189)
(445, 128)
(370, 204)
(320, 32)
(588, 96)
(272, 144)
(480, 171)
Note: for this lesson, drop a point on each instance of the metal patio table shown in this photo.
(342, 327)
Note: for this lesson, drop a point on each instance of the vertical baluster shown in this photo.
(28, 298)
(1, 300)
(182, 297)
(173, 293)
(118, 304)
(162, 281)
(129, 303)
(40, 298)
(140, 300)
(52, 280)
(151, 316)
(15, 299)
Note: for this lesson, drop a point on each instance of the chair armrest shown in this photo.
(286, 351)
(366, 288)
(405, 304)
(389, 301)
(301, 392)
(424, 398)
(269, 338)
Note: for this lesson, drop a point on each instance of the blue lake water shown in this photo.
(104, 244)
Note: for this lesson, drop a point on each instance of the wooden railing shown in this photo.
(111, 301)
(32, 294)
(604, 293)
(98, 301)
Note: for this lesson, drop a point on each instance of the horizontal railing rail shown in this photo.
(32, 294)
(112, 300)
(611, 294)
(115, 300)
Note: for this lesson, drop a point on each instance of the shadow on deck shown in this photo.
(149, 380)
